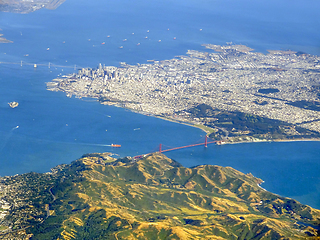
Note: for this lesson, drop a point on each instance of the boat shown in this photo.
(121, 47)
(103, 43)
(115, 145)
(13, 104)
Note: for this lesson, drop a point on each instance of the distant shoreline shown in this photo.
(279, 140)
(203, 128)
(207, 129)
(229, 142)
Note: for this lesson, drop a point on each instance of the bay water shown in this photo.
(48, 129)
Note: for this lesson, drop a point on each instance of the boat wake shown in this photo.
(6, 138)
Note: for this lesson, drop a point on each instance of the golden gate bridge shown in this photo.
(161, 150)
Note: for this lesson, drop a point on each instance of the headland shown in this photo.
(99, 197)
(239, 94)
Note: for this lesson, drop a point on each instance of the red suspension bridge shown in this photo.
(161, 150)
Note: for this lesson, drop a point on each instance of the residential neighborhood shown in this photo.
(280, 85)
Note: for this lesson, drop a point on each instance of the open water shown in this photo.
(48, 128)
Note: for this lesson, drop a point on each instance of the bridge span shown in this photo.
(35, 65)
(161, 150)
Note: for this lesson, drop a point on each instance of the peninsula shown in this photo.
(234, 93)
(98, 197)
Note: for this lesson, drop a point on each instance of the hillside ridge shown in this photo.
(98, 197)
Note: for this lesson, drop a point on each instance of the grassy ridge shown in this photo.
(157, 198)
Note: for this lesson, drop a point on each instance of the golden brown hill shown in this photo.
(157, 198)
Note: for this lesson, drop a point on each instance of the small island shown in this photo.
(13, 104)
(4, 40)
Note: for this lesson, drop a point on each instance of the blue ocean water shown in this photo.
(54, 129)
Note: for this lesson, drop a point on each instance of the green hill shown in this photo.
(97, 197)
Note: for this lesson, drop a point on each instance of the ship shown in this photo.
(115, 145)
(13, 104)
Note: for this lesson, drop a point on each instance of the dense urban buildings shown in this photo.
(281, 85)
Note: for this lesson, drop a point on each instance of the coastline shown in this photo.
(279, 140)
(199, 126)
(209, 130)
(298, 140)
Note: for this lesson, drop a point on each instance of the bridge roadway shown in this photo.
(40, 64)
(176, 148)
(205, 143)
